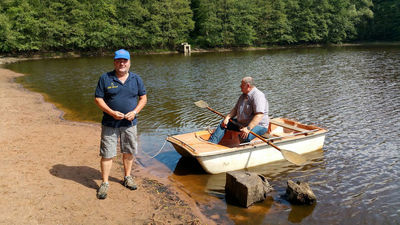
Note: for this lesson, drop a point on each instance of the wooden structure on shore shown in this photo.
(185, 48)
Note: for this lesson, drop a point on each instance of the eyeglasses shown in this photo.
(121, 61)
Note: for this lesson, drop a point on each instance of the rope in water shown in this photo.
(159, 151)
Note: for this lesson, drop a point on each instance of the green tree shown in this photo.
(7, 35)
(62, 24)
(225, 13)
(273, 25)
(345, 17)
(130, 31)
(225, 23)
(168, 23)
(208, 25)
(322, 17)
(385, 25)
(23, 27)
(100, 27)
(309, 20)
(244, 14)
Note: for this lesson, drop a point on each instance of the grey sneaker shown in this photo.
(102, 191)
(129, 183)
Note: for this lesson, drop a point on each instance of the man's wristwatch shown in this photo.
(248, 128)
(134, 112)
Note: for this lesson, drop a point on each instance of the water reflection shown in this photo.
(298, 213)
(253, 215)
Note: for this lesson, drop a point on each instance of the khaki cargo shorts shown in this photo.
(109, 140)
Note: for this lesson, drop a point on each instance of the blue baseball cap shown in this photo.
(122, 54)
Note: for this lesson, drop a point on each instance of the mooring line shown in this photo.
(159, 151)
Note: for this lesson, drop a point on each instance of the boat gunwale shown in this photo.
(181, 144)
(194, 153)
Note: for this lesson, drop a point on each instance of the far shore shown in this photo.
(12, 58)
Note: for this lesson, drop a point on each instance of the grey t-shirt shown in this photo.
(248, 105)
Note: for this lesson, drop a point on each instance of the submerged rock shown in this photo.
(245, 188)
(300, 193)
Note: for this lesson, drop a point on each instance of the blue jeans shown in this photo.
(219, 133)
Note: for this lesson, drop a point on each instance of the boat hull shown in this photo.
(256, 156)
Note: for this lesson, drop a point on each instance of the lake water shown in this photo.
(354, 92)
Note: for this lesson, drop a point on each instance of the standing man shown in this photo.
(251, 111)
(121, 95)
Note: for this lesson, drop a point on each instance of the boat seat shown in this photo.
(231, 138)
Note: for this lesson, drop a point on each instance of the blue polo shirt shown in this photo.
(122, 97)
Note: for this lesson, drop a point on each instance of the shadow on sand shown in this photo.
(81, 174)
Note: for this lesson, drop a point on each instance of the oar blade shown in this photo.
(293, 157)
(201, 104)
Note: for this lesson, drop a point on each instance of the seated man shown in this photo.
(251, 111)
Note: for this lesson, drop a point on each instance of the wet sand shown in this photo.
(49, 171)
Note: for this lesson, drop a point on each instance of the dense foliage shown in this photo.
(386, 22)
(99, 25)
(65, 25)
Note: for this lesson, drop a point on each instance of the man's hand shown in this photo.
(118, 115)
(224, 123)
(130, 115)
(245, 133)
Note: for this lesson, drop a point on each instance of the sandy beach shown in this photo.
(49, 171)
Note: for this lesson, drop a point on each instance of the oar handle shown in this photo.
(240, 125)
(264, 140)
(212, 110)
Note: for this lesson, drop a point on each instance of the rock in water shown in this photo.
(245, 188)
(300, 193)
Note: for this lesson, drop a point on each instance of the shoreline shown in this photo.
(50, 171)
(6, 59)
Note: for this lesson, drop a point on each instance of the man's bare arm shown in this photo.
(104, 107)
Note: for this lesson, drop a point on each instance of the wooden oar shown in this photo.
(290, 156)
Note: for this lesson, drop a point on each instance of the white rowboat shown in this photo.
(230, 155)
